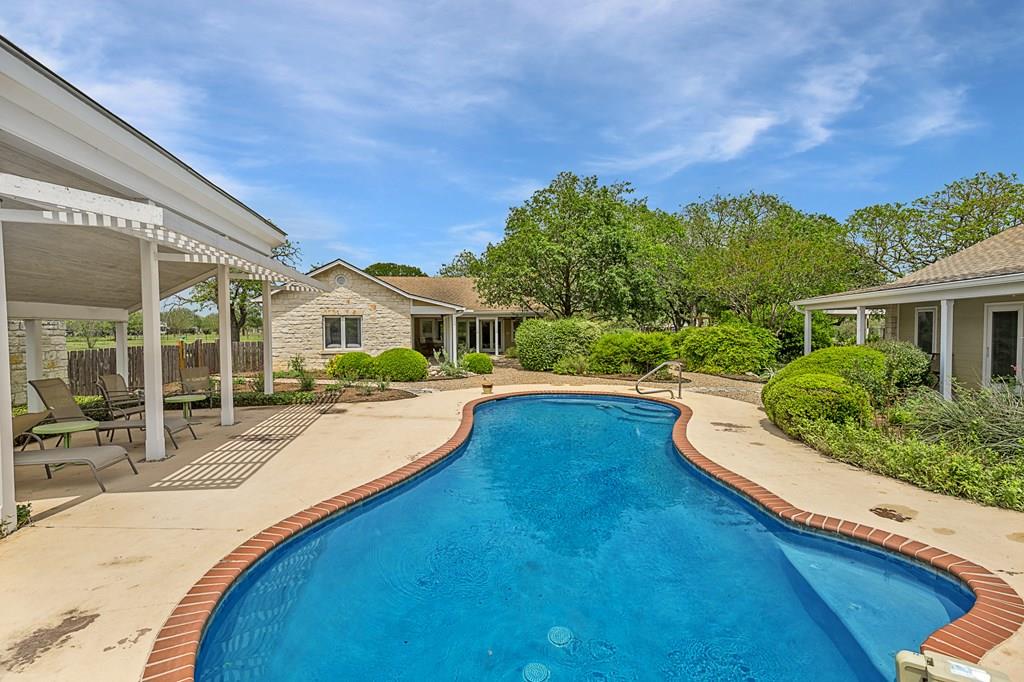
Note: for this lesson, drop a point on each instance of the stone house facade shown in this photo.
(373, 314)
(53, 339)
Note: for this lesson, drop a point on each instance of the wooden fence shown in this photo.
(86, 366)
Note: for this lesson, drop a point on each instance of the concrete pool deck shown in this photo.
(91, 582)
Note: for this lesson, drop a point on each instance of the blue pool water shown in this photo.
(568, 540)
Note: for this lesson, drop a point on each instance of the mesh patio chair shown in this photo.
(122, 401)
(196, 380)
(58, 399)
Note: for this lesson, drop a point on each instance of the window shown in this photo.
(924, 331)
(343, 332)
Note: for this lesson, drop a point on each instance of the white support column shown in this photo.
(227, 387)
(494, 337)
(268, 337)
(33, 361)
(455, 339)
(8, 505)
(121, 350)
(153, 375)
(862, 324)
(946, 348)
(478, 335)
(807, 332)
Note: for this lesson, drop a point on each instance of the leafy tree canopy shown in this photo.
(564, 250)
(465, 264)
(394, 270)
(900, 238)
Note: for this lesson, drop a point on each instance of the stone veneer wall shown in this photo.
(53, 338)
(298, 318)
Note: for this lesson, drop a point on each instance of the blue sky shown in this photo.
(403, 131)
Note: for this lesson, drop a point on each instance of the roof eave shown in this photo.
(976, 287)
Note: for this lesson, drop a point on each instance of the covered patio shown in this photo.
(98, 221)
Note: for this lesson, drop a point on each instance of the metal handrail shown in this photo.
(679, 375)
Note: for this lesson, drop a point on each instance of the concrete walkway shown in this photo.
(87, 586)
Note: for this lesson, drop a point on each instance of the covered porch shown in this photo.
(98, 221)
(473, 333)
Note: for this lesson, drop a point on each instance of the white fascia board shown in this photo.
(26, 310)
(1000, 285)
(48, 115)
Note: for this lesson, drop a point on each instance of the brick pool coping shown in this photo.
(997, 612)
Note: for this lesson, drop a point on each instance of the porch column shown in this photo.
(121, 350)
(478, 335)
(494, 336)
(8, 506)
(946, 348)
(861, 325)
(153, 373)
(33, 362)
(227, 387)
(807, 332)
(454, 338)
(268, 337)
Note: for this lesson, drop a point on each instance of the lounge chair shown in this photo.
(122, 401)
(57, 398)
(96, 457)
(196, 380)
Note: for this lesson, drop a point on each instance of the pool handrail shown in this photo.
(679, 376)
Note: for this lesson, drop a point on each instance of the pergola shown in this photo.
(97, 221)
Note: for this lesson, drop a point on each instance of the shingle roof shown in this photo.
(460, 291)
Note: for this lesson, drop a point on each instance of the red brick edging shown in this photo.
(997, 612)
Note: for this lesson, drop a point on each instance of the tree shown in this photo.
(901, 238)
(243, 294)
(465, 264)
(90, 330)
(180, 320)
(564, 250)
(393, 270)
(757, 253)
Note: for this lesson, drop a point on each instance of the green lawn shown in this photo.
(79, 343)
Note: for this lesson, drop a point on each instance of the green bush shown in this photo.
(791, 337)
(907, 366)
(573, 365)
(865, 367)
(805, 398)
(728, 349)
(638, 351)
(401, 364)
(254, 399)
(353, 365)
(978, 475)
(541, 343)
(478, 363)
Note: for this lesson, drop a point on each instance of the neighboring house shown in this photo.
(372, 314)
(966, 310)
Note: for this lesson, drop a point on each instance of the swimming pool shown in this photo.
(567, 540)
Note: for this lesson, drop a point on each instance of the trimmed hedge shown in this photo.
(260, 399)
(804, 398)
(478, 363)
(907, 366)
(630, 352)
(353, 365)
(728, 349)
(860, 365)
(401, 364)
(542, 343)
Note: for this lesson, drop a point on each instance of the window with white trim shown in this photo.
(343, 332)
(924, 329)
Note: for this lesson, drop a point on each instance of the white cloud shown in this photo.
(939, 112)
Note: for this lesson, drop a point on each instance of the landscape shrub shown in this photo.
(985, 418)
(791, 337)
(907, 366)
(353, 365)
(978, 474)
(478, 363)
(573, 365)
(728, 349)
(541, 343)
(806, 398)
(865, 367)
(637, 351)
(401, 364)
(254, 399)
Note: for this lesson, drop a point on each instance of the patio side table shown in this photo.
(65, 429)
(186, 400)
